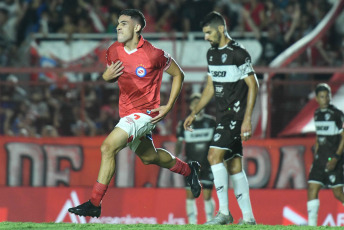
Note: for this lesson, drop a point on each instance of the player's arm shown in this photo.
(246, 127)
(331, 164)
(180, 137)
(207, 94)
(177, 82)
(178, 147)
(113, 71)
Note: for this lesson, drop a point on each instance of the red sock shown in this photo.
(98, 193)
(181, 167)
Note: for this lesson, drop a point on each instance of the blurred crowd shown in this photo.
(51, 110)
(283, 21)
(54, 110)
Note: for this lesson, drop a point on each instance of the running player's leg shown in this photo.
(313, 203)
(113, 143)
(241, 189)
(209, 203)
(161, 157)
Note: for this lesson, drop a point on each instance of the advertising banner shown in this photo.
(63, 162)
(159, 206)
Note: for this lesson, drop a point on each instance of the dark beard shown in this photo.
(215, 45)
(217, 41)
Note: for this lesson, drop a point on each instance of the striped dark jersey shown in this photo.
(228, 66)
(328, 127)
(197, 142)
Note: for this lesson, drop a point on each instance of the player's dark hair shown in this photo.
(322, 87)
(136, 15)
(213, 19)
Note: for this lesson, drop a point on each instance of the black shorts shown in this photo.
(331, 179)
(227, 136)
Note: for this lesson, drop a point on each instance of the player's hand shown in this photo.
(163, 111)
(246, 130)
(188, 122)
(113, 71)
(331, 164)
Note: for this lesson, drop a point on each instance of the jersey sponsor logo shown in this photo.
(199, 135)
(223, 58)
(219, 91)
(327, 128)
(225, 73)
(141, 71)
(218, 73)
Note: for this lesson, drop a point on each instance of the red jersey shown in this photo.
(139, 85)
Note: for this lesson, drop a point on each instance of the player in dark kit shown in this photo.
(196, 149)
(232, 80)
(137, 66)
(327, 167)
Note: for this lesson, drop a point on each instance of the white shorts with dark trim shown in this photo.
(137, 126)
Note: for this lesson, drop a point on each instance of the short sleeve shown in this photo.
(108, 62)
(243, 62)
(163, 59)
(111, 55)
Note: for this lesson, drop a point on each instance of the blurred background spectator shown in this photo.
(54, 109)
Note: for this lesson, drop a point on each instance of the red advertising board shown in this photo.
(56, 162)
(162, 206)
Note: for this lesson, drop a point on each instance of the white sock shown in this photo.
(191, 211)
(312, 208)
(209, 208)
(221, 184)
(241, 191)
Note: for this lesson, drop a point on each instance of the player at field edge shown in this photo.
(327, 167)
(231, 78)
(137, 67)
(196, 149)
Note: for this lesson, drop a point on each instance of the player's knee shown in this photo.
(338, 194)
(212, 158)
(107, 150)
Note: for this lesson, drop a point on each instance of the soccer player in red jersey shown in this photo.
(137, 66)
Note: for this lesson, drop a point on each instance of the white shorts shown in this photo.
(136, 125)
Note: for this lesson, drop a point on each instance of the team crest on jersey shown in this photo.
(211, 58)
(223, 58)
(141, 71)
(327, 116)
